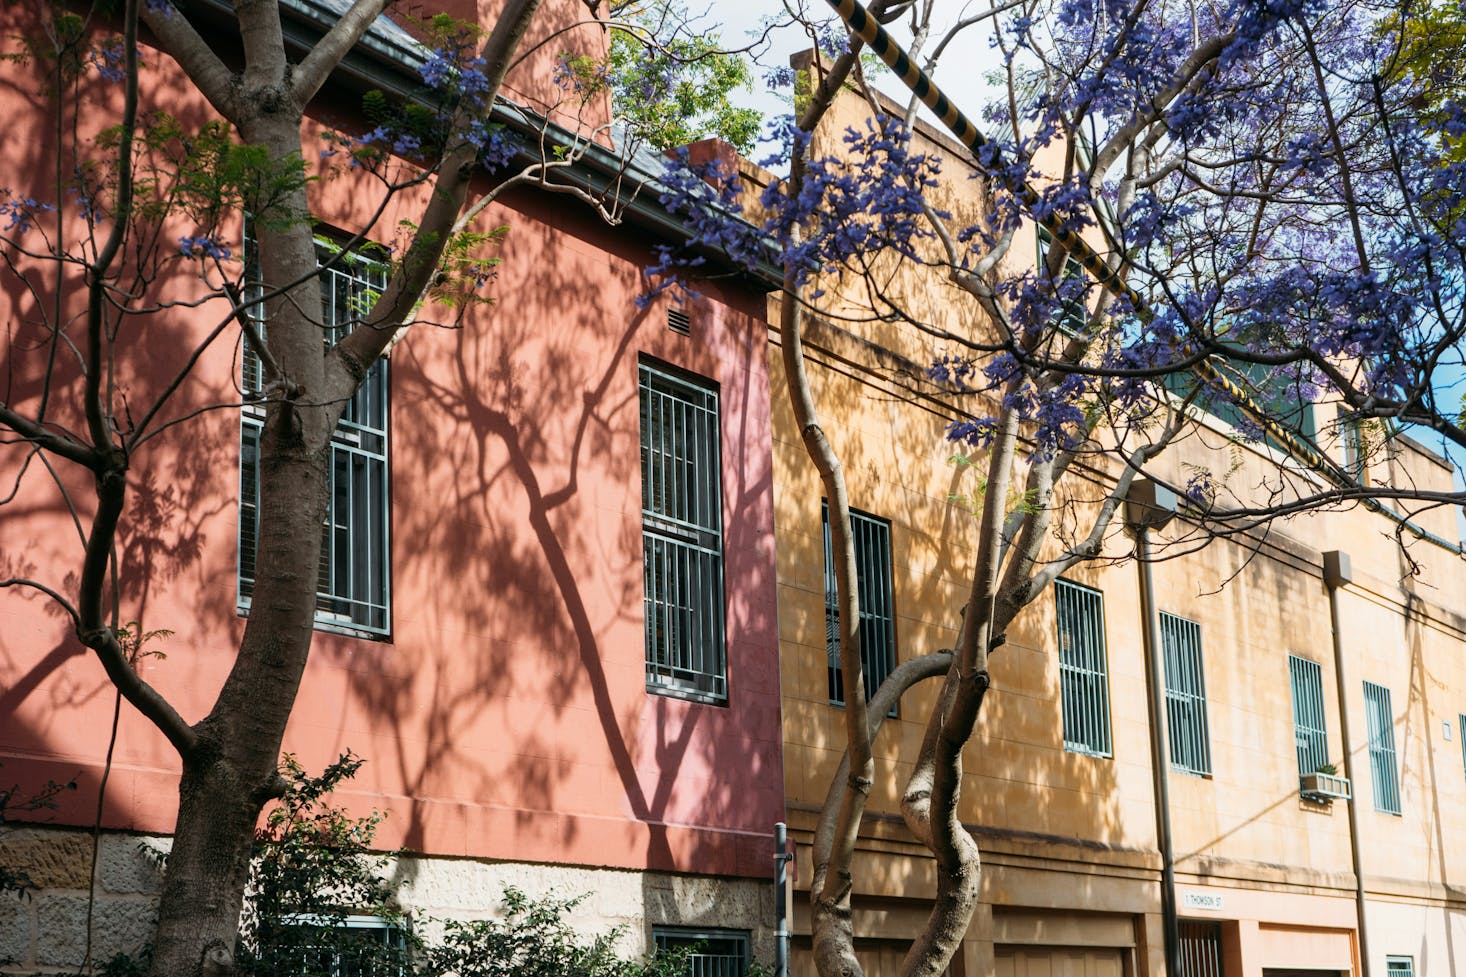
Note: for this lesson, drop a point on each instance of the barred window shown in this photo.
(1399, 967)
(873, 587)
(1185, 695)
(1201, 949)
(1309, 733)
(1384, 774)
(336, 946)
(353, 586)
(682, 537)
(1083, 672)
(1073, 309)
(711, 953)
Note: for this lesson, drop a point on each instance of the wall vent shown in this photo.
(679, 321)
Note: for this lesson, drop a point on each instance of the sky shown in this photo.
(959, 73)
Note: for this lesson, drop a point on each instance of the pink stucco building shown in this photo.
(532, 704)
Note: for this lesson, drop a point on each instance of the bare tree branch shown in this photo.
(183, 44)
(311, 73)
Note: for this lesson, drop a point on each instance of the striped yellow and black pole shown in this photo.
(861, 23)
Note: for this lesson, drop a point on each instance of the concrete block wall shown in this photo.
(631, 903)
(46, 932)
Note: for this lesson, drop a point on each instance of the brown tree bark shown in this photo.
(230, 761)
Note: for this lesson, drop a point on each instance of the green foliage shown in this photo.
(464, 269)
(408, 117)
(534, 939)
(314, 867)
(410, 128)
(670, 84)
(123, 965)
(61, 47)
(133, 639)
(205, 175)
(1433, 51)
(1019, 500)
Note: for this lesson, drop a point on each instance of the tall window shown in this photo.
(353, 585)
(1083, 675)
(873, 587)
(682, 536)
(1461, 725)
(711, 953)
(1384, 774)
(1309, 733)
(1185, 695)
(1073, 311)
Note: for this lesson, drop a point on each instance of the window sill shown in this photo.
(690, 695)
(329, 626)
(1095, 754)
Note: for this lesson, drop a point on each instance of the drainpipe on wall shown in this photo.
(1150, 506)
(781, 900)
(1336, 573)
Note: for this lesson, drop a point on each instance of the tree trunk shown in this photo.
(203, 888)
(934, 811)
(233, 772)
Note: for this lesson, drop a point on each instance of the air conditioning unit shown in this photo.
(1324, 787)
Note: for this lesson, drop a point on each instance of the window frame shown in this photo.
(395, 935)
(1393, 970)
(1202, 947)
(1188, 730)
(691, 531)
(877, 605)
(1299, 416)
(1083, 679)
(359, 464)
(1461, 730)
(1384, 770)
(691, 935)
(1074, 315)
(1310, 741)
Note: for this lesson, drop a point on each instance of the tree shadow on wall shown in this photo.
(518, 559)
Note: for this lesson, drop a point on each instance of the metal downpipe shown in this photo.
(1155, 683)
(1336, 573)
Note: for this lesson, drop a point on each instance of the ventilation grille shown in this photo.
(679, 321)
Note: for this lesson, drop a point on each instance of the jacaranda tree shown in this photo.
(1252, 209)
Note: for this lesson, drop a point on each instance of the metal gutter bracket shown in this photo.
(1148, 505)
(1336, 569)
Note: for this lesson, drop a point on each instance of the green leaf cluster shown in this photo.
(1019, 499)
(534, 938)
(672, 90)
(1433, 52)
(204, 174)
(62, 47)
(314, 866)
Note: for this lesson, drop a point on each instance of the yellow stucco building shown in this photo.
(1307, 643)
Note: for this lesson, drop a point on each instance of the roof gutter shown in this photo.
(389, 60)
